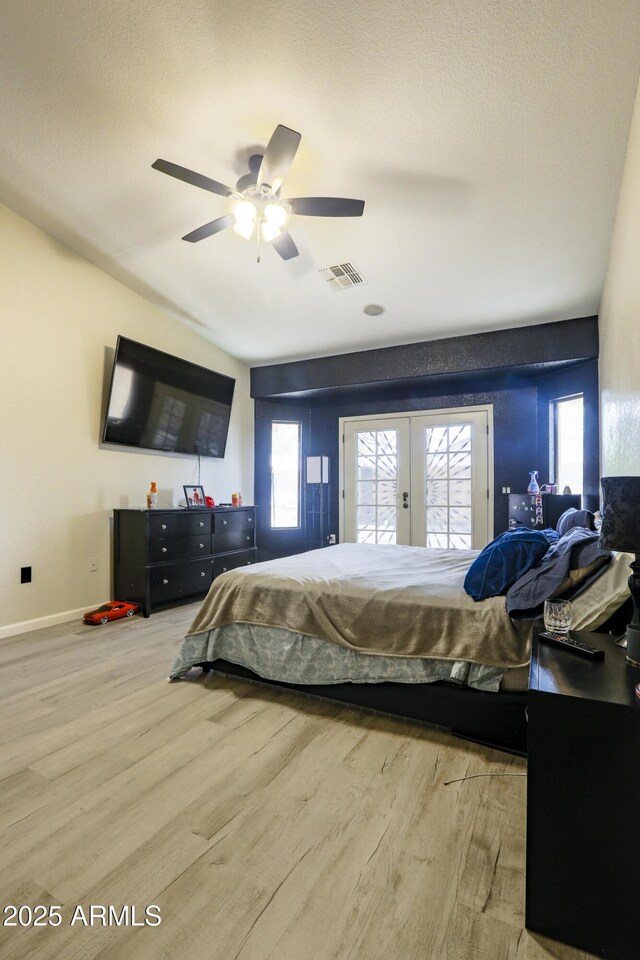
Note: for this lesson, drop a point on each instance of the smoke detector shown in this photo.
(342, 276)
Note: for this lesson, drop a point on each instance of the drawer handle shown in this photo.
(249, 562)
(201, 545)
(224, 523)
(250, 519)
(202, 573)
(201, 524)
(164, 526)
(247, 538)
(165, 581)
(224, 569)
(164, 549)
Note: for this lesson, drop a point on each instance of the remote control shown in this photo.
(572, 645)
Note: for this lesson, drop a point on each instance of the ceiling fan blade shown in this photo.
(278, 158)
(208, 230)
(195, 179)
(285, 246)
(325, 206)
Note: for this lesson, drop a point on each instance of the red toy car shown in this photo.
(111, 611)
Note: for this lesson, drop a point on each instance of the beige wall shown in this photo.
(58, 313)
(620, 326)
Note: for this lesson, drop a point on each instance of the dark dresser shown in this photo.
(523, 512)
(162, 557)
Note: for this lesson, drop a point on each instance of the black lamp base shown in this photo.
(633, 630)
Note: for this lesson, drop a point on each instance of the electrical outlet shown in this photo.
(93, 564)
(331, 538)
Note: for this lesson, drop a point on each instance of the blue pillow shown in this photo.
(505, 560)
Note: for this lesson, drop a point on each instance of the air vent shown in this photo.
(341, 276)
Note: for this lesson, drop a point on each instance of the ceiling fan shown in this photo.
(257, 196)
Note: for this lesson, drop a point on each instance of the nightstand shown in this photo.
(583, 799)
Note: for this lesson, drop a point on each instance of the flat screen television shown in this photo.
(159, 402)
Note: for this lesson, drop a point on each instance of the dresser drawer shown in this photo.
(242, 559)
(233, 520)
(179, 548)
(233, 540)
(179, 580)
(233, 531)
(179, 525)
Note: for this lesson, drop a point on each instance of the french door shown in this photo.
(422, 479)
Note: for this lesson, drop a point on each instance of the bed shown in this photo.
(383, 627)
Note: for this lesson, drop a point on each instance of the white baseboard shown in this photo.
(26, 626)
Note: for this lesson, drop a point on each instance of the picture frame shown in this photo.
(195, 498)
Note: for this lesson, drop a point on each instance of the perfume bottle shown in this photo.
(534, 486)
(152, 496)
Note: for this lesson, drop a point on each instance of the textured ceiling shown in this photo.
(487, 139)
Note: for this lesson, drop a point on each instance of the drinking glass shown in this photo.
(557, 616)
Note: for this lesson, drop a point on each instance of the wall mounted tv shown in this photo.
(159, 402)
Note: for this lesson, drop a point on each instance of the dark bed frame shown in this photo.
(496, 719)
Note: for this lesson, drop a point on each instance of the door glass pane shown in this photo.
(366, 443)
(460, 437)
(387, 441)
(387, 492)
(459, 542)
(285, 474)
(377, 486)
(448, 514)
(437, 540)
(460, 464)
(459, 493)
(366, 491)
(437, 492)
(436, 439)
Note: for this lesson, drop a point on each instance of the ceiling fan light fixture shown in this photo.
(245, 211)
(275, 215)
(245, 214)
(270, 231)
(244, 228)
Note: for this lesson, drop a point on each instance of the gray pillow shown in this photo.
(575, 518)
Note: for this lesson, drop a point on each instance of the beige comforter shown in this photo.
(377, 599)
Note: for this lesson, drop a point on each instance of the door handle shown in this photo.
(405, 501)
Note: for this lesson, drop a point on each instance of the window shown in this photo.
(567, 448)
(285, 474)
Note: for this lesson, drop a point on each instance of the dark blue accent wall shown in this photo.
(520, 393)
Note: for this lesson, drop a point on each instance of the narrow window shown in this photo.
(568, 443)
(285, 474)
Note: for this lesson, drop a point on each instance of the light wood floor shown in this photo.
(263, 825)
